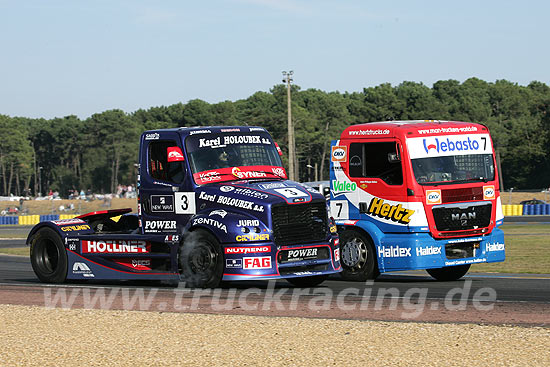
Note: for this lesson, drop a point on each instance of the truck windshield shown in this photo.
(230, 156)
(454, 169)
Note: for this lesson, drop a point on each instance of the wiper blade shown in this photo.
(473, 179)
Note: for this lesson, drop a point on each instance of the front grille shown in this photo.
(301, 254)
(460, 217)
(460, 250)
(307, 268)
(299, 223)
(462, 194)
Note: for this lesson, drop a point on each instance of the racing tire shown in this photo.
(306, 282)
(358, 258)
(449, 273)
(201, 260)
(48, 256)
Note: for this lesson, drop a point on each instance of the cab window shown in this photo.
(376, 160)
(159, 167)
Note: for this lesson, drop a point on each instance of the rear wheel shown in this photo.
(449, 273)
(305, 282)
(358, 257)
(48, 256)
(201, 260)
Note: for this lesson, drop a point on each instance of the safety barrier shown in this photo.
(511, 210)
(31, 220)
(10, 220)
(536, 209)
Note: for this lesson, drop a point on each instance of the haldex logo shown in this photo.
(393, 251)
(430, 250)
(342, 187)
(495, 246)
(447, 145)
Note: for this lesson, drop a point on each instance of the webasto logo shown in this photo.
(448, 145)
(342, 187)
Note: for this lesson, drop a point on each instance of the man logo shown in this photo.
(339, 153)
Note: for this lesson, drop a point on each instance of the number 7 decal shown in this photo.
(339, 209)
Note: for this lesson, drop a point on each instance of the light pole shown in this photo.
(40, 181)
(287, 78)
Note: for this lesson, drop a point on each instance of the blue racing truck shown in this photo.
(214, 204)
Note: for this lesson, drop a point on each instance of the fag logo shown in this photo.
(488, 192)
(257, 262)
(433, 197)
(339, 153)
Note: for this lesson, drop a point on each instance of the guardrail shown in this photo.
(29, 220)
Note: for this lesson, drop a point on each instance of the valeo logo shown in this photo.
(342, 187)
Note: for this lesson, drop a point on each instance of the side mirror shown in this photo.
(394, 158)
(279, 149)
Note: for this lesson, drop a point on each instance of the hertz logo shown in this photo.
(395, 213)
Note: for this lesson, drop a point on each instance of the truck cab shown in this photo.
(416, 195)
(214, 204)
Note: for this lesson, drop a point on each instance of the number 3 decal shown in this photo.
(185, 202)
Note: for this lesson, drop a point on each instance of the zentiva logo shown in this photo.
(450, 145)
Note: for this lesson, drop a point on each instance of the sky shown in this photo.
(76, 57)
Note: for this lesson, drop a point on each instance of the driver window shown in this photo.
(159, 167)
(373, 160)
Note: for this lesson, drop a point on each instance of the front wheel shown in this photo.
(48, 256)
(305, 282)
(201, 260)
(449, 273)
(358, 257)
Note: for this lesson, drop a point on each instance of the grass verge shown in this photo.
(21, 251)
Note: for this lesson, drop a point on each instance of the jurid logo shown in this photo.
(433, 197)
(447, 145)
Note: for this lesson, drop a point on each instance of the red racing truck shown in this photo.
(416, 195)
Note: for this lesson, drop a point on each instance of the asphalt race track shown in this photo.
(489, 298)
